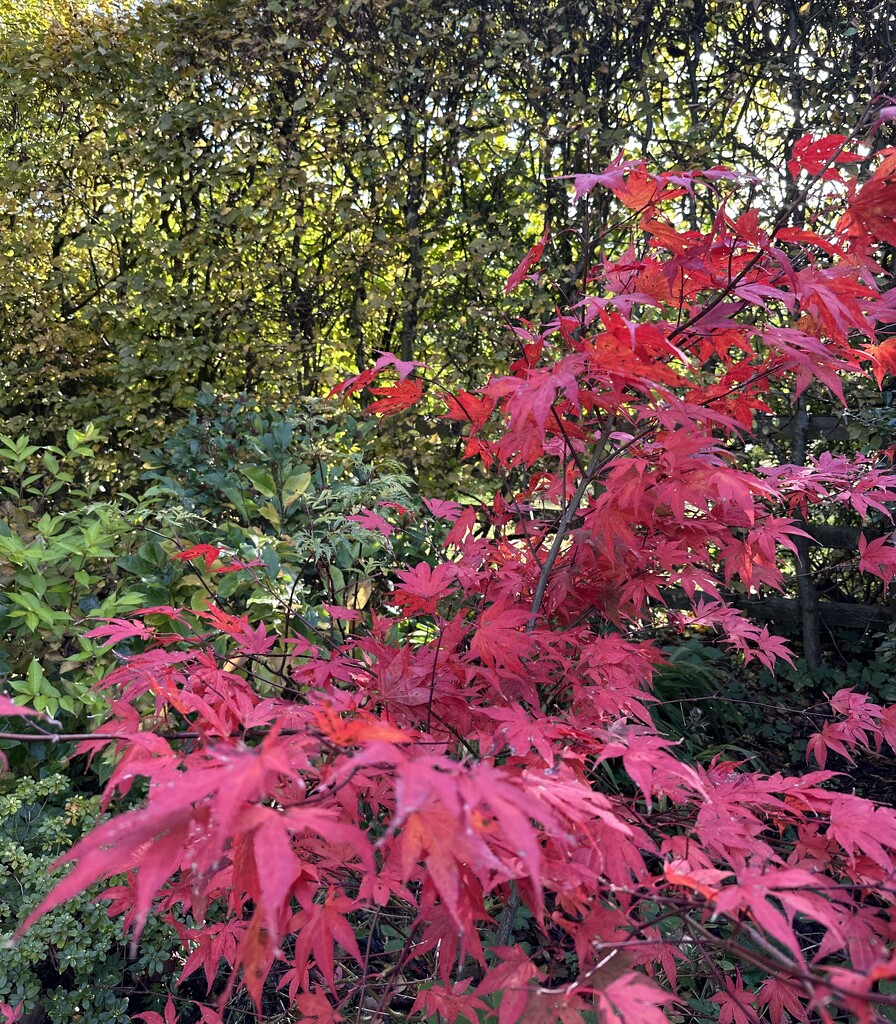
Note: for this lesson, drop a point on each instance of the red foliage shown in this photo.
(447, 765)
(208, 552)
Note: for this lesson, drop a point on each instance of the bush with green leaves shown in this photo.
(58, 551)
(74, 966)
(277, 490)
(294, 494)
(70, 557)
(282, 486)
(717, 707)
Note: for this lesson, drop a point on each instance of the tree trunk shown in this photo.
(808, 595)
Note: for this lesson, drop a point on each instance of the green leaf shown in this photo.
(295, 486)
(270, 513)
(26, 600)
(271, 559)
(261, 480)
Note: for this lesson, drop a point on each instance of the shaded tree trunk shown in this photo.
(807, 593)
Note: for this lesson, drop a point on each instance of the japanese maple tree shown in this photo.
(465, 809)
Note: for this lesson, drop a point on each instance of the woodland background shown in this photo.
(257, 196)
(212, 211)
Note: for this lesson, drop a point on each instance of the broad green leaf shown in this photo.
(261, 479)
(295, 486)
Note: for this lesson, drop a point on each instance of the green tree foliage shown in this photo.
(257, 194)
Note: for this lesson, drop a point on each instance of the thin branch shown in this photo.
(588, 477)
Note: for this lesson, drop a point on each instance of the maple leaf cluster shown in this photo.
(444, 768)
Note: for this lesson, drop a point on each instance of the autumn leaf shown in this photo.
(862, 828)
(468, 408)
(811, 155)
(387, 361)
(395, 398)
(884, 359)
(633, 999)
(874, 206)
(525, 268)
(422, 587)
(372, 521)
(499, 641)
(705, 881)
(151, 1017)
(206, 551)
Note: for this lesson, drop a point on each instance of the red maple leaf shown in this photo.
(395, 397)
(468, 408)
(780, 995)
(116, 630)
(512, 977)
(874, 207)
(207, 551)
(208, 946)
(499, 641)
(315, 1008)
(372, 521)
(861, 827)
(451, 1001)
(152, 1017)
(811, 155)
(735, 1003)
(339, 611)
(319, 926)
(361, 380)
(884, 359)
(422, 587)
(633, 999)
(529, 261)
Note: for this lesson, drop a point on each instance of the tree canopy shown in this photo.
(260, 194)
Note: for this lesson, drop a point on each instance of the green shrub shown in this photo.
(716, 706)
(279, 487)
(276, 489)
(57, 568)
(689, 689)
(73, 964)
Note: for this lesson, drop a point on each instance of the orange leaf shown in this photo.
(884, 356)
(704, 881)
